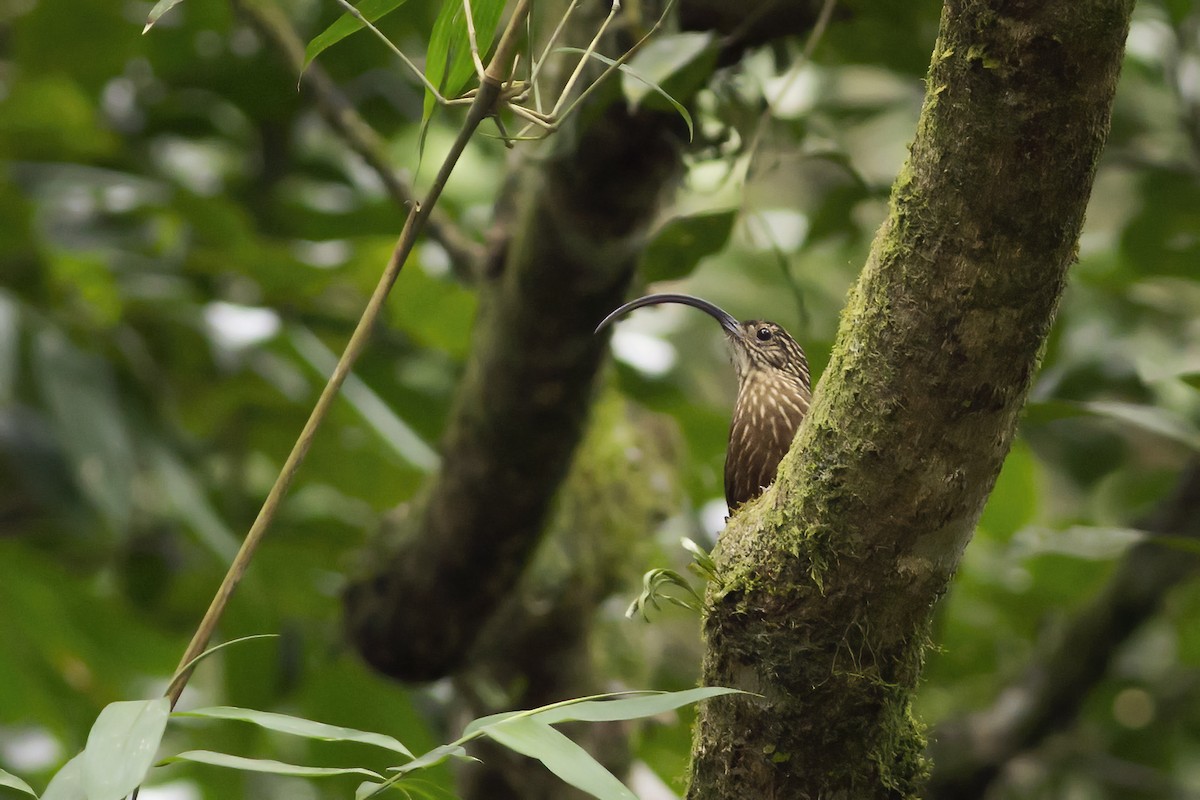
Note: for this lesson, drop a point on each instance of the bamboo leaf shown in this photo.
(626, 708)
(372, 10)
(160, 8)
(531, 737)
(434, 757)
(121, 746)
(448, 63)
(298, 726)
(266, 765)
(614, 707)
(1152, 419)
(222, 646)
(67, 783)
(626, 69)
(10, 781)
(682, 61)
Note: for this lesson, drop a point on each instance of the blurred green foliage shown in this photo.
(184, 245)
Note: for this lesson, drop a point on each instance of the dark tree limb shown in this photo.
(829, 579)
(970, 752)
(435, 578)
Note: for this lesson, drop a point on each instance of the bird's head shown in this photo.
(757, 347)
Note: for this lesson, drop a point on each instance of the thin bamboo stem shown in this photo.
(483, 106)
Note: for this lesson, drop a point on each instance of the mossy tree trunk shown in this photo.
(829, 579)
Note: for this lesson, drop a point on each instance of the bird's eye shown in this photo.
(764, 334)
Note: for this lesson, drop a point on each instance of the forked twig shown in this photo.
(619, 62)
(558, 29)
(514, 93)
(566, 92)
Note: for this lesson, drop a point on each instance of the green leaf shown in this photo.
(626, 708)
(10, 781)
(49, 117)
(67, 783)
(702, 561)
(368, 789)
(121, 746)
(1092, 543)
(1178, 10)
(377, 412)
(626, 69)
(654, 584)
(1186, 544)
(680, 63)
(1078, 541)
(1013, 502)
(222, 646)
(1148, 418)
(1153, 419)
(160, 8)
(1158, 239)
(682, 242)
(448, 64)
(298, 726)
(179, 486)
(614, 707)
(80, 392)
(266, 765)
(536, 739)
(410, 789)
(434, 757)
(347, 24)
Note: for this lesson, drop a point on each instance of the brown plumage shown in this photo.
(772, 399)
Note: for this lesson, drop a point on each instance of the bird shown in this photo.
(774, 393)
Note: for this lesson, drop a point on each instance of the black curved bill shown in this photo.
(727, 322)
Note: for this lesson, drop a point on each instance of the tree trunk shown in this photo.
(828, 581)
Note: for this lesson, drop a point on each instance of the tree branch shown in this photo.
(971, 751)
(828, 579)
(433, 579)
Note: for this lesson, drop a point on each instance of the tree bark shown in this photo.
(827, 582)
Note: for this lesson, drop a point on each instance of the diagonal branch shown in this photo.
(483, 105)
(971, 751)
